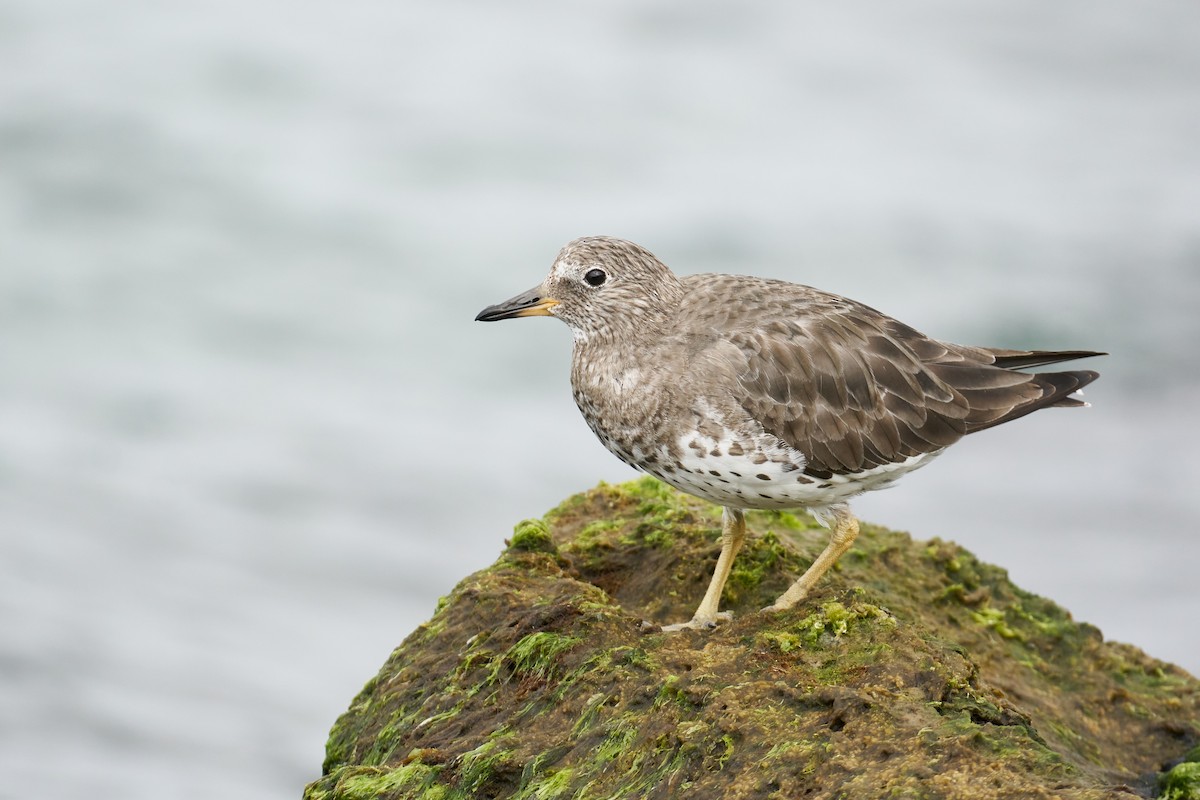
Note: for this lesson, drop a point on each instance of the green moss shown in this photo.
(418, 781)
(532, 536)
(591, 713)
(805, 754)
(672, 692)
(1138, 674)
(760, 557)
(857, 554)
(628, 763)
(594, 532)
(1078, 742)
(553, 785)
(623, 662)
(478, 767)
(1046, 618)
(660, 515)
(958, 593)
(572, 506)
(782, 641)
(536, 655)
(647, 488)
(833, 619)
(621, 733)
(790, 520)
(995, 619)
(633, 657)
(659, 537)
(1182, 782)
(962, 566)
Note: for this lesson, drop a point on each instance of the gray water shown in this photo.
(249, 432)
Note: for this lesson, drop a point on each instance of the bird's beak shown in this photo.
(527, 304)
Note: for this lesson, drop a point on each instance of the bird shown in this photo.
(757, 393)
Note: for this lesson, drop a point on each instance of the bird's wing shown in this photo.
(853, 389)
(1022, 359)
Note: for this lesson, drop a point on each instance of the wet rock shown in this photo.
(913, 671)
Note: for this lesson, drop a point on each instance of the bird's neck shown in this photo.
(622, 364)
(636, 326)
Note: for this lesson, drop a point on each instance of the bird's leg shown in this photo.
(845, 530)
(733, 533)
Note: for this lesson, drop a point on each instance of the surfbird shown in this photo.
(761, 394)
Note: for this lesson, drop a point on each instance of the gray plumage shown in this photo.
(757, 393)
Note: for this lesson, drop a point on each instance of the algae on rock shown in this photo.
(914, 670)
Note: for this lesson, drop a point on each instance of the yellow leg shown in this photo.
(845, 530)
(733, 533)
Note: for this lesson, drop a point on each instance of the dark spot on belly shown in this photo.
(716, 451)
(735, 449)
(763, 477)
(824, 485)
(735, 474)
(714, 472)
(764, 496)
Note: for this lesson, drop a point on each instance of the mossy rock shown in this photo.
(914, 671)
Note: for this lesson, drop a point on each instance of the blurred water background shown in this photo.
(249, 432)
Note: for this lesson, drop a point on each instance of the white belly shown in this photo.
(776, 481)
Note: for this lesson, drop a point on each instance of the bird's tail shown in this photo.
(1052, 390)
(1024, 359)
(1063, 388)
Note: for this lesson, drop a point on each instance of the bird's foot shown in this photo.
(795, 594)
(699, 623)
(783, 604)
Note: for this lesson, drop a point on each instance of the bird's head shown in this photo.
(599, 286)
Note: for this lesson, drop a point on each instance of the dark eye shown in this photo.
(595, 277)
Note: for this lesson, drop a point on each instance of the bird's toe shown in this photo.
(699, 623)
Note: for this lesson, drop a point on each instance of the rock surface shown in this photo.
(915, 671)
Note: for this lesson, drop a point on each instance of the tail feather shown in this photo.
(1064, 385)
(1056, 390)
(1023, 359)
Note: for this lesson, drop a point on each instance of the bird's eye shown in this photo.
(595, 277)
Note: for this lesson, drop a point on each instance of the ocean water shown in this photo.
(249, 431)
